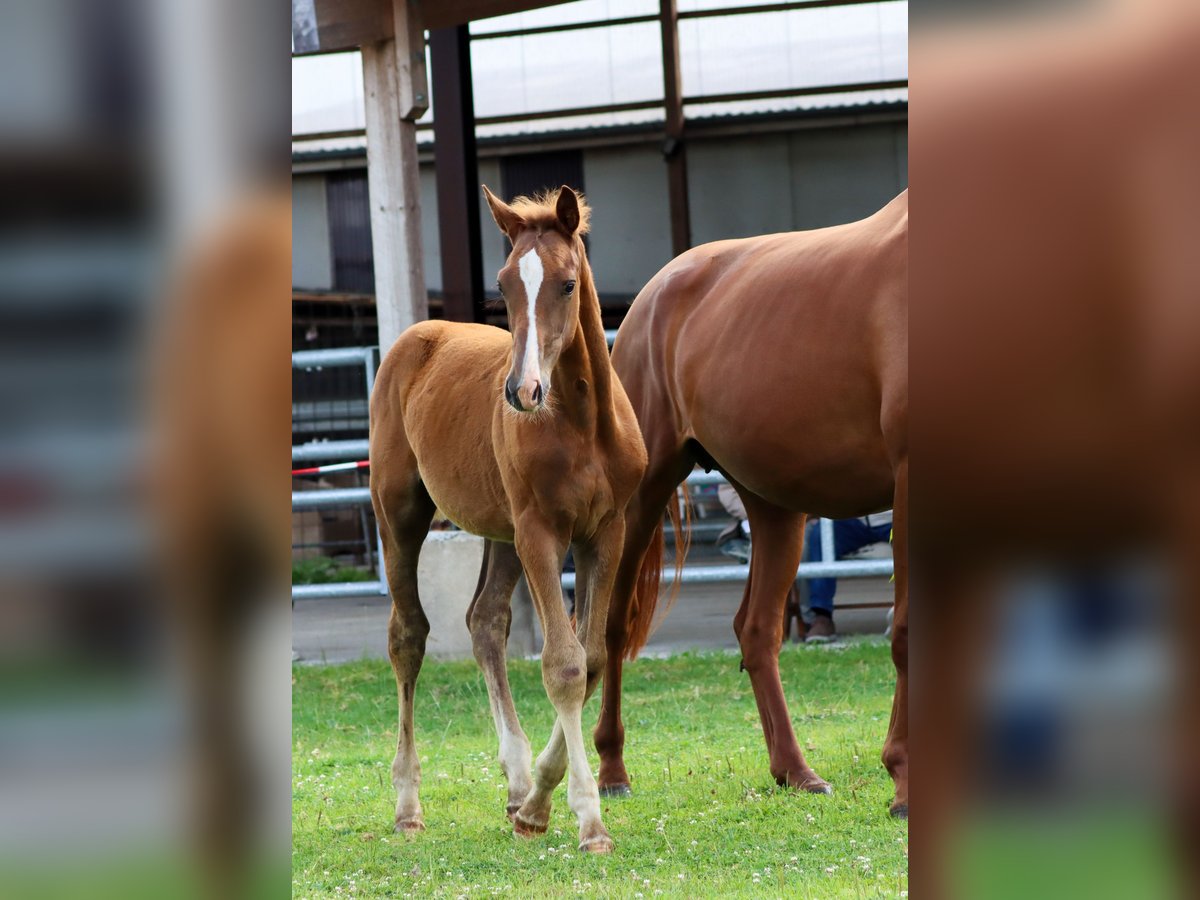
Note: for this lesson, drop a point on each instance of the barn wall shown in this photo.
(843, 174)
(431, 242)
(495, 244)
(738, 187)
(312, 266)
(631, 218)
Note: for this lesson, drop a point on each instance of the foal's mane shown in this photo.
(538, 210)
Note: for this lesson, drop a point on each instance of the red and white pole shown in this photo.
(333, 467)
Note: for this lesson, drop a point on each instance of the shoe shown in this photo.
(821, 630)
(734, 543)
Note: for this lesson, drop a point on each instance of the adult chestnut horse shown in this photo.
(528, 440)
(782, 361)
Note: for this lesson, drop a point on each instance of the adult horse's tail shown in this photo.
(644, 603)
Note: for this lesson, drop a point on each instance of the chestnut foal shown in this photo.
(528, 440)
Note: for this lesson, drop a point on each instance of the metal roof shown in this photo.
(584, 128)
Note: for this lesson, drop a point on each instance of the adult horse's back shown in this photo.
(782, 361)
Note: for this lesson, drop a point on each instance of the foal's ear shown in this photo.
(567, 210)
(507, 218)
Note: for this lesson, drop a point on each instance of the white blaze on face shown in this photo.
(530, 267)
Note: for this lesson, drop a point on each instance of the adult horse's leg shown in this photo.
(895, 748)
(667, 468)
(404, 515)
(489, 619)
(777, 538)
(565, 675)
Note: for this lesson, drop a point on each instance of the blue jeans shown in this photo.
(848, 535)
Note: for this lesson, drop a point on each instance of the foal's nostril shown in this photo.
(511, 395)
(537, 393)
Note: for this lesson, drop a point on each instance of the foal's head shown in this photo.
(539, 283)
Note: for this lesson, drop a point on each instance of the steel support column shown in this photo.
(457, 173)
(674, 151)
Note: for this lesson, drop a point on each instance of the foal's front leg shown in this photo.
(565, 672)
(596, 566)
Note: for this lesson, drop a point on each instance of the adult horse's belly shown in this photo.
(785, 394)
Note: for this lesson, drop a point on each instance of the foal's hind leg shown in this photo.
(404, 510)
(777, 538)
(489, 619)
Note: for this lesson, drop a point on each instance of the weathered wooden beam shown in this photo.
(329, 26)
(395, 96)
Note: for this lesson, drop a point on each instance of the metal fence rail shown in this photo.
(828, 567)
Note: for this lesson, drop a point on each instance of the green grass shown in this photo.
(323, 570)
(706, 818)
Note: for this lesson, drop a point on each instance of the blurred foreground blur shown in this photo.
(1056, 384)
(144, 302)
(1055, 353)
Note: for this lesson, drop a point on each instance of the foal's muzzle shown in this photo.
(524, 397)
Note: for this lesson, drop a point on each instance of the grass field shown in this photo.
(706, 818)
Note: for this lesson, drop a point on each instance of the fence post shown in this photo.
(380, 569)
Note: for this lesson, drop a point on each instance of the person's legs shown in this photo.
(820, 590)
(848, 535)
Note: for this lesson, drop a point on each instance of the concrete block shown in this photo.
(447, 575)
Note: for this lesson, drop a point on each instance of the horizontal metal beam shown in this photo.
(339, 589)
(339, 356)
(768, 8)
(863, 568)
(568, 112)
(850, 568)
(641, 20)
(565, 26)
(324, 499)
(784, 93)
(325, 450)
(331, 497)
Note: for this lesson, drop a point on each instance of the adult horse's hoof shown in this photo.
(409, 826)
(616, 790)
(899, 810)
(806, 781)
(601, 843)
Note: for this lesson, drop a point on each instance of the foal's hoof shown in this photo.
(600, 843)
(409, 826)
(616, 790)
(899, 810)
(523, 827)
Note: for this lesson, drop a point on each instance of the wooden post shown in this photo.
(674, 151)
(396, 95)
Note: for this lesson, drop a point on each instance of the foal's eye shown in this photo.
(500, 288)
(569, 287)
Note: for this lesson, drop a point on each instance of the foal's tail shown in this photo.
(644, 602)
